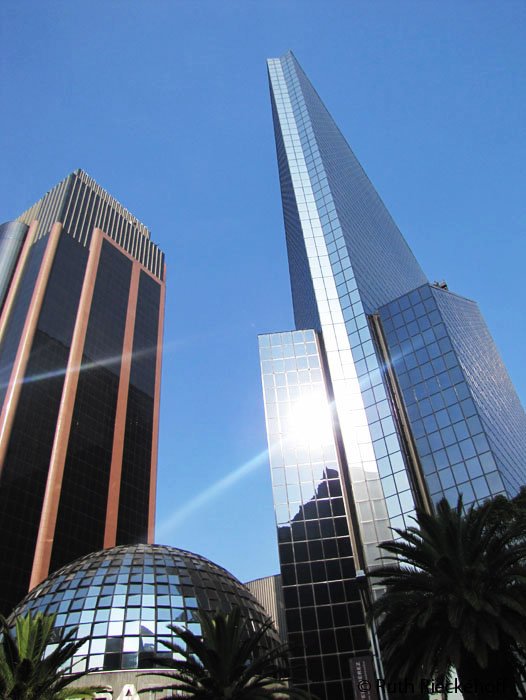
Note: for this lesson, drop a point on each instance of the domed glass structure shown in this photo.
(123, 599)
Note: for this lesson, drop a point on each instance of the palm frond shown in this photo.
(455, 590)
(229, 659)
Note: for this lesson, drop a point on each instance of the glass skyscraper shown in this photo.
(389, 394)
(82, 294)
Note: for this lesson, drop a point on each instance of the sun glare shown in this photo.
(310, 420)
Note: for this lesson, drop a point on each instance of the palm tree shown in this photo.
(227, 661)
(510, 511)
(26, 671)
(456, 597)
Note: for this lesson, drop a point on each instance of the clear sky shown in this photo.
(165, 103)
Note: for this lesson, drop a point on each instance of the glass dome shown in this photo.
(123, 599)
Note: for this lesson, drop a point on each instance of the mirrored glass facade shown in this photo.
(465, 416)
(123, 599)
(421, 406)
(80, 332)
(324, 615)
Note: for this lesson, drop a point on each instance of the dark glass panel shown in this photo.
(310, 644)
(301, 552)
(325, 620)
(293, 621)
(308, 619)
(26, 465)
(360, 638)
(286, 554)
(306, 595)
(17, 318)
(321, 593)
(137, 455)
(344, 639)
(331, 667)
(318, 559)
(315, 550)
(316, 669)
(83, 500)
(290, 596)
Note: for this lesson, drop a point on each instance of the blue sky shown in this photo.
(165, 104)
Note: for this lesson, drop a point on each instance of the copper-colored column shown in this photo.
(17, 276)
(112, 511)
(48, 518)
(156, 407)
(14, 388)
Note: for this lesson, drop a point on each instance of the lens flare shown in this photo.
(210, 494)
(107, 362)
(309, 421)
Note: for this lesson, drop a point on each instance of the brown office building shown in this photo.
(82, 304)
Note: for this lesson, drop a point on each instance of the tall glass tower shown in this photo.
(389, 394)
(82, 295)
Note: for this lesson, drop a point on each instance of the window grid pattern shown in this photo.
(357, 262)
(303, 296)
(359, 390)
(355, 208)
(325, 621)
(26, 465)
(90, 444)
(137, 453)
(450, 437)
(123, 599)
(17, 318)
(498, 405)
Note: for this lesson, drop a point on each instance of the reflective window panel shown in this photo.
(468, 425)
(324, 615)
(123, 600)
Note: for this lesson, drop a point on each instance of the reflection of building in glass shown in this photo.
(123, 599)
(420, 404)
(80, 360)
